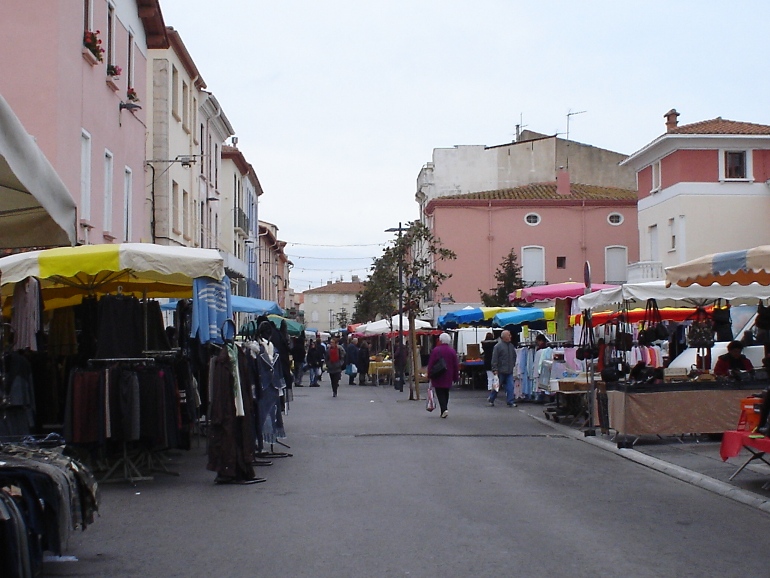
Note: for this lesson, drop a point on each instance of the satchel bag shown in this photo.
(438, 368)
(701, 334)
(587, 348)
(430, 403)
(763, 317)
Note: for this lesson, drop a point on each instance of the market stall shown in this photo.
(655, 405)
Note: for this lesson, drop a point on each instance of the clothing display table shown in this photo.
(669, 409)
(734, 441)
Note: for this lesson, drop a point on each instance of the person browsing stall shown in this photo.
(733, 361)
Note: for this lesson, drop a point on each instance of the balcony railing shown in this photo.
(642, 271)
(241, 221)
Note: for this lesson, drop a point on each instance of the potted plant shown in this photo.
(131, 95)
(93, 43)
(114, 70)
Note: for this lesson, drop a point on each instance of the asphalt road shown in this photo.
(378, 487)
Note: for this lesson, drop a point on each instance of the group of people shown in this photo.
(335, 357)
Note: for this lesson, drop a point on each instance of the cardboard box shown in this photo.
(474, 351)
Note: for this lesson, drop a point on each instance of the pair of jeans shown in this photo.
(506, 382)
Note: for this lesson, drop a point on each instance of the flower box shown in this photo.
(112, 82)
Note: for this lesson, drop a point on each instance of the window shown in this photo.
(615, 264)
(194, 119)
(615, 219)
(111, 34)
(561, 262)
(130, 63)
(655, 177)
(88, 13)
(175, 92)
(332, 298)
(532, 219)
(652, 236)
(533, 265)
(344, 298)
(314, 316)
(672, 234)
(185, 107)
(108, 175)
(315, 300)
(175, 207)
(735, 165)
(185, 213)
(128, 183)
(85, 176)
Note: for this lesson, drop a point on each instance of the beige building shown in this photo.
(274, 266)
(323, 305)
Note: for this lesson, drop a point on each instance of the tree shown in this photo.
(508, 276)
(380, 293)
(418, 251)
(342, 318)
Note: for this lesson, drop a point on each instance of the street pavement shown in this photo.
(377, 486)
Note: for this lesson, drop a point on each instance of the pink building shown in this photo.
(553, 227)
(703, 188)
(82, 110)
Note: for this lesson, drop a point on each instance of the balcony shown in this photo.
(643, 271)
(242, 221)
(234, 267)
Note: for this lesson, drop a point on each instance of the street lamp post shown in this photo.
(400, 306)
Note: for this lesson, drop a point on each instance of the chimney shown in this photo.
(562, 182)
(355, 279)
(329, 282)
(671, 120)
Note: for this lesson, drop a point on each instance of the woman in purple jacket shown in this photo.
(443, 382)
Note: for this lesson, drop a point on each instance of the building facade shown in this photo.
(324, 306)
(90, 119)
(703, 188)
(274, 265)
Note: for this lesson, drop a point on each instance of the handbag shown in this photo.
(430, 403)
(438, 368)
(351, 369)
(587, 348)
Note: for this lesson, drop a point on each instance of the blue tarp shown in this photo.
(242, 305)
(518, 317)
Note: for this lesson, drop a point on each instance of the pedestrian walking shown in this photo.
(487, 346)
(335, 361)
(363, 362)
(298, 356)
(351, 354)
(321, 347)
(399, 364)
(315, 360)
(443, 382)
(503, 362)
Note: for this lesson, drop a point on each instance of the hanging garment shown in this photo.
(211, 308)
(62, 338)
(119, 333)
(27, 307)
(271, 385)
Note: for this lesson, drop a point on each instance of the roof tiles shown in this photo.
(547, 191)
(720, 125)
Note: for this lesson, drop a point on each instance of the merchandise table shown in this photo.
(670, 409)
(733, 441)
(473, 373)
(378, 368)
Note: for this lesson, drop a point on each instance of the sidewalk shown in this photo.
(693, 459)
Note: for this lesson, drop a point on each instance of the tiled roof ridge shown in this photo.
(721, 125)
(547, 189)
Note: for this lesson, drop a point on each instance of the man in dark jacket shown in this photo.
(363, 362)
(351, 354)
(503, 362)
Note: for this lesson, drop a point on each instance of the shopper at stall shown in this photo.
(503, 363)
(363, 362)
(351, 354)
(298, 358)
(487, 346)
(315, 360)
(335, 362)
(399, 364)
(443, 382)
(733, 361)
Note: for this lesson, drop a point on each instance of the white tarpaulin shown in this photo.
(36, 209)
(672, 296)
(385, 326)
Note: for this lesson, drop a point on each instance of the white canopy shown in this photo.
(36, 209)
(384, 326)
(674, 295)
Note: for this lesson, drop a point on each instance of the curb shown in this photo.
(696, 479)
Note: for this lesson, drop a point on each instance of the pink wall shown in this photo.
(482, 237)
(689, 166)
(644, 181)
(56, 93)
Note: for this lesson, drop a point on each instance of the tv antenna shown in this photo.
(569, 114)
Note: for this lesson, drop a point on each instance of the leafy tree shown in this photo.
(379, 297)
(508, 276)
(342, 318)
(418, 251)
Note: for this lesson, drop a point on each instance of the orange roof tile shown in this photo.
(547, 191)
(720, 125)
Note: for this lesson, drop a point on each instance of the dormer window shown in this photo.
(735, 165)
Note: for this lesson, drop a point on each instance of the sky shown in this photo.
(338, 104)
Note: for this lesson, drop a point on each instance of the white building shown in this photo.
(323, 305)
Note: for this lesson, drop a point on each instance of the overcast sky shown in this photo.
(338, 104)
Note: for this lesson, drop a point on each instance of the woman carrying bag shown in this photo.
(441, 379)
